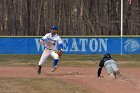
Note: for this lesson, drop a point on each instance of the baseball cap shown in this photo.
(54, 27)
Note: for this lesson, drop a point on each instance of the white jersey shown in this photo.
(52, 41)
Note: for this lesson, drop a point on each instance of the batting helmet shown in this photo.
(107, 55)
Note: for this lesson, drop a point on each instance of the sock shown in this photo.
(55, 62)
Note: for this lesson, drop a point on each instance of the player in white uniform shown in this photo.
(50, 41)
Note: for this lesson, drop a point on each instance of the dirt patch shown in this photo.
(84, 76)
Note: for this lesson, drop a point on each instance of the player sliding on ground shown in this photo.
(110, 66)
(50, 41)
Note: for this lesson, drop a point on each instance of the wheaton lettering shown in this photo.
(85, 44)
(80, 44)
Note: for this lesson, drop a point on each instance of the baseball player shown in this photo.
(110, 66)
(50, 41)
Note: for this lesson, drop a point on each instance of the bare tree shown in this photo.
(74, 17)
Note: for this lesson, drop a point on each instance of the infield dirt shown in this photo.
(83, 76)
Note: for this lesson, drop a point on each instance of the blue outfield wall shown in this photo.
(73, 45)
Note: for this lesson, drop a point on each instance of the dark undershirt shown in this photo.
(101, 65)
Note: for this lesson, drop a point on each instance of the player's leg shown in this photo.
(115, 69)
(55, 62)
(44, 56)
(109, 69)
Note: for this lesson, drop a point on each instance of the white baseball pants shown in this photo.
(45, 55)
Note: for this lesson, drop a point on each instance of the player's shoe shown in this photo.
(54, 68)
(117, 74)
(39, 70)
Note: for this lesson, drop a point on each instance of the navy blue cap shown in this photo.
(54, 27)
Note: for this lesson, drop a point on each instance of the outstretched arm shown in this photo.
(99, 71)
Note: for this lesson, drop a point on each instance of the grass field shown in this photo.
(53, 85)
(68, 60)
(42, 85)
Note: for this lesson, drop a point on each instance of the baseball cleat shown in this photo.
(39, 70)
(54, 68)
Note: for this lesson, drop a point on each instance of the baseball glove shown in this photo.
(59, 52)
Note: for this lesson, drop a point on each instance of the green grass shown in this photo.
(68, 60)
(34, 85)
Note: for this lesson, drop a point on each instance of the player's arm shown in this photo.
(43, 39)
(99, 71)
(60, 45)
(101, 64)
(60, 50)
(42, 42)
